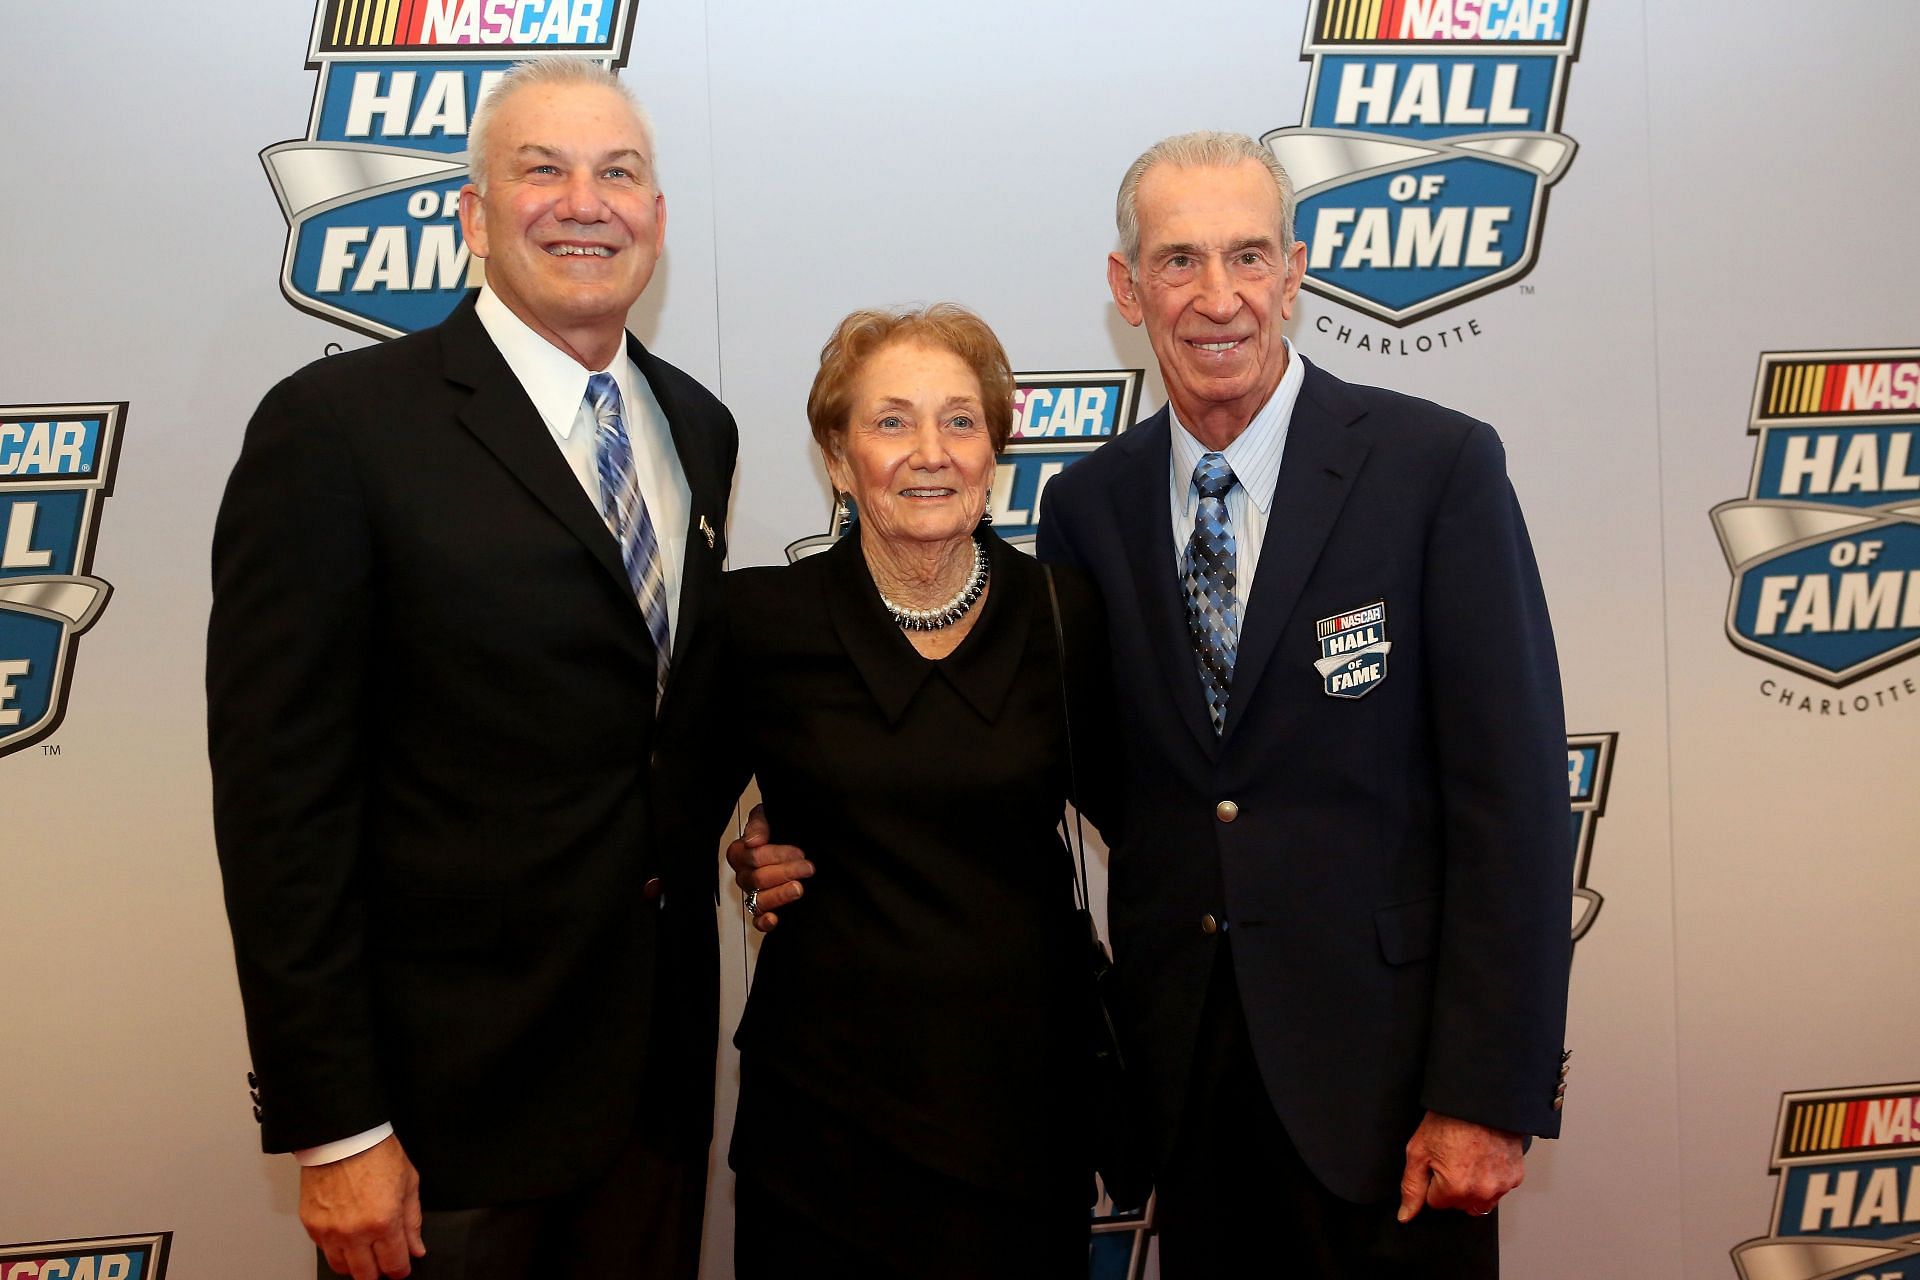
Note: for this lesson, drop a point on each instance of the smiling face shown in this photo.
(1213, 289)
(915, 454)
(571, 224)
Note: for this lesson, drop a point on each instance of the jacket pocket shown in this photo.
(1408, 930)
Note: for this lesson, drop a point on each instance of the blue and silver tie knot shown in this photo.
(605, 394)
(1213, 609)
(1213, 477)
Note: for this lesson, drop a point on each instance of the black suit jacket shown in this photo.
(1395, 877)
(441, 788)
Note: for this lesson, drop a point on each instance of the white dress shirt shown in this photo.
(557, 385)
(1254, 456)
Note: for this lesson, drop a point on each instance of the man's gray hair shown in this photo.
(565, 70)
(1207, 149)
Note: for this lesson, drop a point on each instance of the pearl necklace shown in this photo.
(953, 610)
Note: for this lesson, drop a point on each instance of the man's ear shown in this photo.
(1120, 280)
(473, 220)
(1296, 272)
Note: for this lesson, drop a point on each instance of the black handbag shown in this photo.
(1119, 1149)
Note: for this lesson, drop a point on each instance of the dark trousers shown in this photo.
(1235, 1199)
(638, 1220)
(957, 1233)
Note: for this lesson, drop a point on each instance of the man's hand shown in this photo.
(772, 872)
(364, 1212)
(1456, 1164)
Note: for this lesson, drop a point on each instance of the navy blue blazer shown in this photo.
(1393, 869)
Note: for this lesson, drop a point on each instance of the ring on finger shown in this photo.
(753, 902)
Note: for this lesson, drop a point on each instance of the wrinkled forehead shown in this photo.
(586, 118)
(913, 362)
(1195, 203)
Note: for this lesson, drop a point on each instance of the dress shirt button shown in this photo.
(1209, 924)
(1226, 811)
(653, 888)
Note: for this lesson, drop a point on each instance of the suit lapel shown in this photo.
(1323, 458)
(705, 533)
(502, 418)
(1140, 509)
(706, 503)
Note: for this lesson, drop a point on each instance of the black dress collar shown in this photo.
(981, 670)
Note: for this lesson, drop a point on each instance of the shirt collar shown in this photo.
(1254, 454)
(981, 670)
(552, 379)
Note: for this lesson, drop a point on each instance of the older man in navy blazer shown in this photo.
(1338, 906)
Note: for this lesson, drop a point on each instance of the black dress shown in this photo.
(914, 1047)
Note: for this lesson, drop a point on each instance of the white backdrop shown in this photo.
(1744, 183)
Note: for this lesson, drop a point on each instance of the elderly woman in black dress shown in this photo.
(914, 1050)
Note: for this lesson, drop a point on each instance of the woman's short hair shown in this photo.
(945, 325)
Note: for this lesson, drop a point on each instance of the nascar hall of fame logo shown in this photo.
(1589, 769)
(1847, 1206)
(1825, 547)
(371, 194)
(56, 464)
(1353, 650)
(1428, 142)
(101, 1258)
(1057, 418)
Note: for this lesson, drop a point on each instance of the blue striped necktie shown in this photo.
(1213, 610)
(625, 509)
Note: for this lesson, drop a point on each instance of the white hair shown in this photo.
(569, 69)
(1207, 149)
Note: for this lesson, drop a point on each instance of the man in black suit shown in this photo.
(462, 593)
(1339, 907)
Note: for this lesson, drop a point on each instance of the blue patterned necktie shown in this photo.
(1213, 611)
(625, 510)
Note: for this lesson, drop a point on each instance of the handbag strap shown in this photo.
(1078, 836)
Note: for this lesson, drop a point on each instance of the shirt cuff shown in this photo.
(328, 1152)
